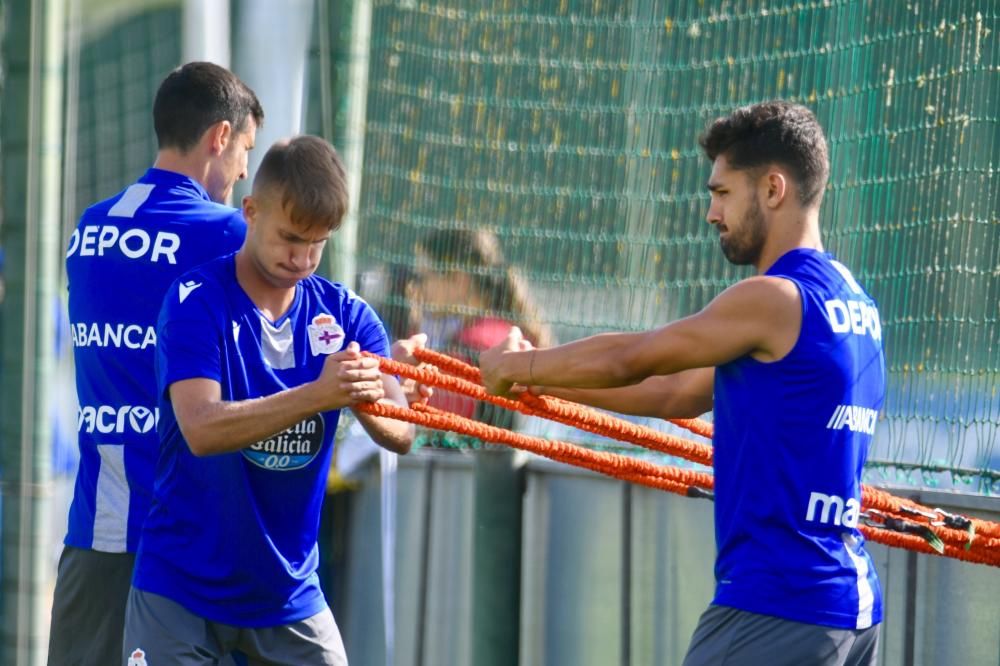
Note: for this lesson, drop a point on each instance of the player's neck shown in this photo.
(272, 301)
(184, 164)
(798, 231)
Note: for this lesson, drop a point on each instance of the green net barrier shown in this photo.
(569, 130)
(120, 64)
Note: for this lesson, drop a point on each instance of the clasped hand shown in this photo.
(491, 363)
(348, 378)
(403, 351)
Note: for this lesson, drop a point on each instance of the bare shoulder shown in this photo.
(762, 295)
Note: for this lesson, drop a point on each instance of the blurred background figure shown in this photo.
(468, 292)
(463, 297)
(466, 300)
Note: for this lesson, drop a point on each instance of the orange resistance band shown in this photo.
(623, 467)
(461, 369)
(983, 548)
(875, 498)
(557, 410)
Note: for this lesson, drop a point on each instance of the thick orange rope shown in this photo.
(977, 554)
(983, 548)
(874, 498)
(561, 411)
(620, 466)
(454, 366)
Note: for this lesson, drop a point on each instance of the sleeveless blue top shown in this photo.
(791, 438)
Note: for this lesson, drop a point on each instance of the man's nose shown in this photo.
(299, 256)
(713, 216)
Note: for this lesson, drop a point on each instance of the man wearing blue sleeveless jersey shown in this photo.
(122, 257)
(256, 357)
(791, 361)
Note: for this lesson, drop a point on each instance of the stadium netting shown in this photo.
(569, 129)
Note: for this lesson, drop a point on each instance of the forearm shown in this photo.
(225, 426)
(600, 361)
(680, 396)
(390, 434)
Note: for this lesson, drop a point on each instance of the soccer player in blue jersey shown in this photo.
(122, 257)
(791, 361)
(256, 356)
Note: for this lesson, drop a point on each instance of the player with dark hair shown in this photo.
(256, 358)
(121, 259)
(791, 361)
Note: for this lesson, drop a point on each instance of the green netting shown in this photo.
(329, 56)
(121, 63)
(569, 129)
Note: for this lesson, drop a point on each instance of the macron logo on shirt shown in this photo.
(831, 510)
(186, 288)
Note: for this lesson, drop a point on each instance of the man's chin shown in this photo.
(284, 282)
(736, 258)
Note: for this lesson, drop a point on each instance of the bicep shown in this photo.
(708, 338)
(751, 317)
(685, 394)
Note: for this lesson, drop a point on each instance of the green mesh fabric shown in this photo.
(120, 65)
(569, 129)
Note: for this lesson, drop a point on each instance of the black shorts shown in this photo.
(88, 609)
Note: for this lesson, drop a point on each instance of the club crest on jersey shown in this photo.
(325, 335)
(137, 658)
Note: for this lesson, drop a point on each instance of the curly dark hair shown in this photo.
(773, 132)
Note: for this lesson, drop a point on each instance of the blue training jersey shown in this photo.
(791, 438)
(232, 537)
(122, 257)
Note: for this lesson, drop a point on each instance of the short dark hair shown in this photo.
(307, 173)
(196, 96)
(774, 132)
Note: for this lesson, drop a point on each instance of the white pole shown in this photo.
(205, 31)
(271, 58)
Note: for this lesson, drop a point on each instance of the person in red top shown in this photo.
(465, 300)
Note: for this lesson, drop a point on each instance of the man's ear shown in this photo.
(776, 188)
(249, 210)
(219, 135)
